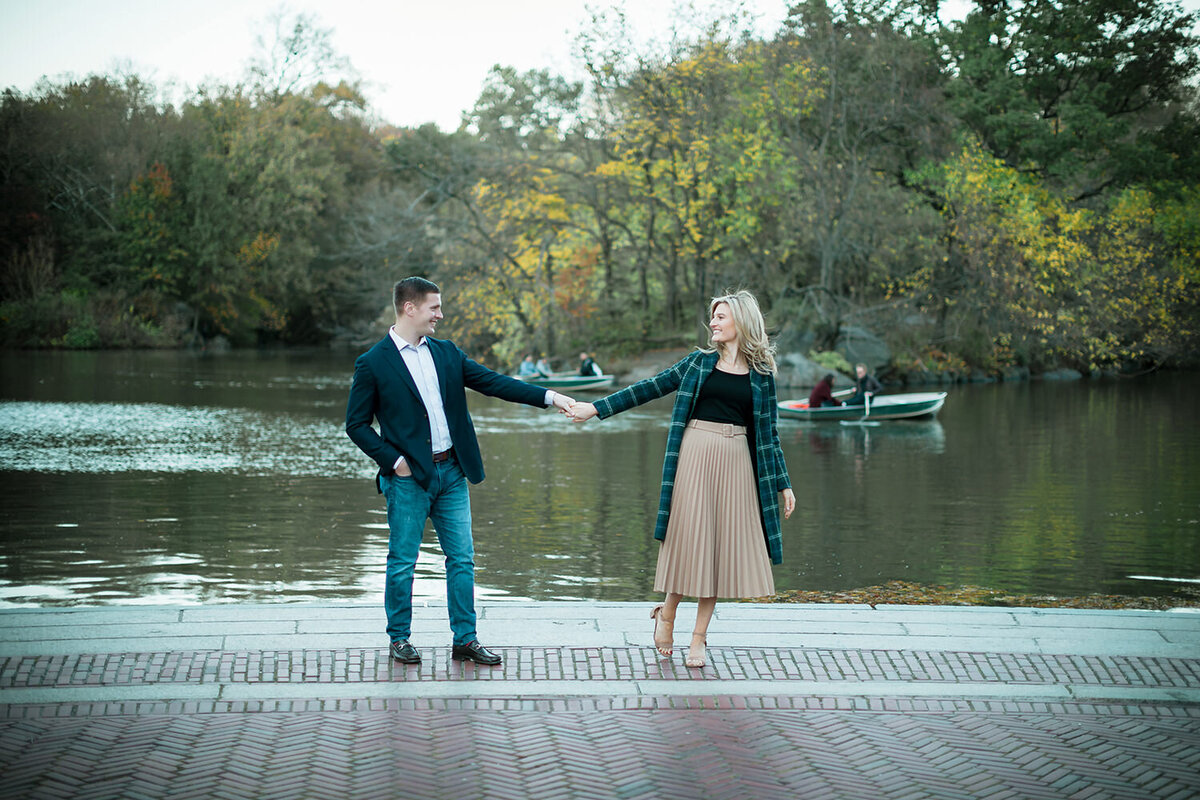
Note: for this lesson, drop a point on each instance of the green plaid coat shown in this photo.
(685, 379)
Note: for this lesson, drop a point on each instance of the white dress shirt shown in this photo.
(419, 361)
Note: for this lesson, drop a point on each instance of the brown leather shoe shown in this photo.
(404, 652)
(474, 652)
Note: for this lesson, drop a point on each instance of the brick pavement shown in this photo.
(914, 750)
(369, 665)
(600, 722)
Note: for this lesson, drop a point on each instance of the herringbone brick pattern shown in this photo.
(666, 753)
(609, 664)
(711, 744)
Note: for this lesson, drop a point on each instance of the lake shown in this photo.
(174, 477)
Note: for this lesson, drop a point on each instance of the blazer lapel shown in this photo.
(440, 365)
(704, 368)
(392, 356)
(756, 392)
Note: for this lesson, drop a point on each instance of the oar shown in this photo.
(866, 413)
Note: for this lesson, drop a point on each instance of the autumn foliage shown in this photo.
(1021, 187)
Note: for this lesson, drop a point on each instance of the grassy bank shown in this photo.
(904, 593)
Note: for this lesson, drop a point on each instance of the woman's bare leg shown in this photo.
(705, 606)
(664, 624)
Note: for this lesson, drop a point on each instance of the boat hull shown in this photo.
(914, 405)
(578, 383)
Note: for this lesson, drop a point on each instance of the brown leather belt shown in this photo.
(443, 456)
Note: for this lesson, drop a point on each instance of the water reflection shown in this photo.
(165, 478)
(824, 438)
(232, 540)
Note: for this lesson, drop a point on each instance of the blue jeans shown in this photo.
(448, 504)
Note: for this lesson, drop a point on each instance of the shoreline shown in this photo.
(891, 593)
(917, 594)
(631, 368)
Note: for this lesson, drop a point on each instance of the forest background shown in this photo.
(1018, 188)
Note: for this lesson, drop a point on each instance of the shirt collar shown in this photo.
(400, 343)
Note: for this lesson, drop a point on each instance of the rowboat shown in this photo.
(886, 406)
(570, 382)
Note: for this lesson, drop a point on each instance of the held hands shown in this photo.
(582, 412)
(577, 412)
(789, 502)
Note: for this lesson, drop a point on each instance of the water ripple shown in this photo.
(151, 437)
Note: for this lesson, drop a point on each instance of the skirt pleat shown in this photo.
(714, 545)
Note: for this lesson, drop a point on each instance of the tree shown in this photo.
(867, 102)
(1045, 282)
(1075, 89)
(299, 55)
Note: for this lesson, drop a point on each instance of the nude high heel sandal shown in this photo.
(664, 632)
(695, 656)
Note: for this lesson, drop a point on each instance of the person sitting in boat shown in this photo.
(543, 367)
(865, 386)
(822, 394)
(528, 369)
(588, 367)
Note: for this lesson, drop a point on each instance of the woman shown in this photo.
(822, 394)
(724, 474)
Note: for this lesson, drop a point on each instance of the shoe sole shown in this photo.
(495, 663)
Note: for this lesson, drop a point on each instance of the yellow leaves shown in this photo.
(615, 169)
(1092, 285)
(258, 249)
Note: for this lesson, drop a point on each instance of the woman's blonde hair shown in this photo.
(753, 343)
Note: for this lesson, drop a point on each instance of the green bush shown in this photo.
(831, 360)
(82, 335)
(33, 322)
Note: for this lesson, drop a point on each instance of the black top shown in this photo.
(867, 383)
(726, 397)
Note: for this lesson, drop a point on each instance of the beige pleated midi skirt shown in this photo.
(714, 545)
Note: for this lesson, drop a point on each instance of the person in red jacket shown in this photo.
(822, 394)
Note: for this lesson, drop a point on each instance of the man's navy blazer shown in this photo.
(384, 389)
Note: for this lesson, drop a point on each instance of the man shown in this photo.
(588, 367)
(426, 449)
(865, 386)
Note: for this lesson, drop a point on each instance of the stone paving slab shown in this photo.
(79, 634)
(594, 624)
(66, 646)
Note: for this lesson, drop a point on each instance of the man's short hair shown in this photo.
(412, 290)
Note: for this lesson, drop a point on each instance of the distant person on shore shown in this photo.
(588, 367)
(724, 477)
(865, 386)
(528, 369)
(415, 386)
(822, 394)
